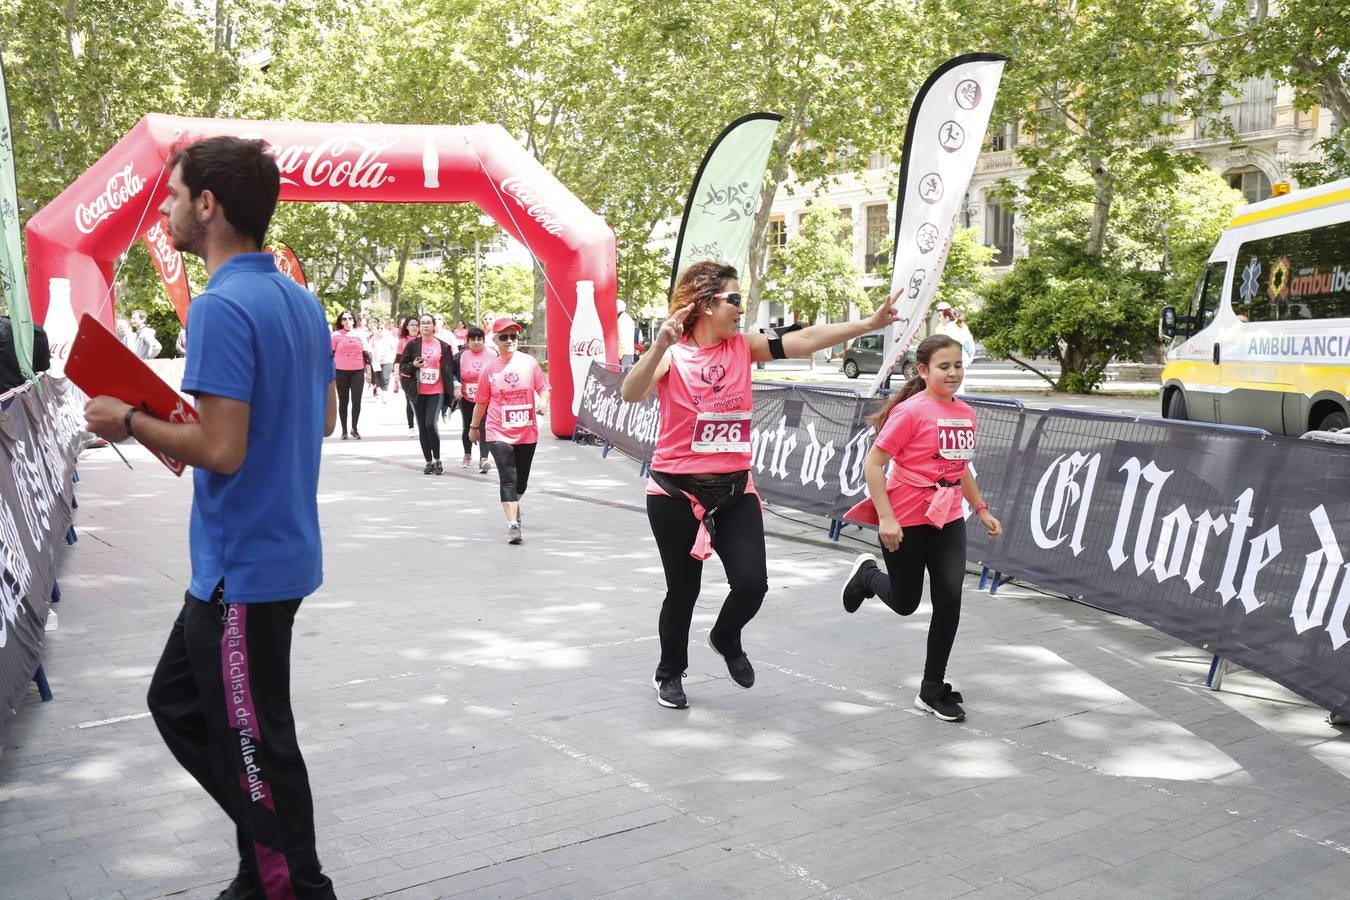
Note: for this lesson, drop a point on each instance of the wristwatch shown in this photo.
(126, 420)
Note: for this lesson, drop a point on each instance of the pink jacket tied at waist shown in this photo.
(939, 507)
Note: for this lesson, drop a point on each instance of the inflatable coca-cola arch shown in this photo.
(74, 241)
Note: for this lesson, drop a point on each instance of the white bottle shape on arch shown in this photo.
(60, 324)
(586, 341)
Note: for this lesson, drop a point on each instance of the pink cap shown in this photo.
(505, 323)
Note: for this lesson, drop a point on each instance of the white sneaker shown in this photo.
(513, 535)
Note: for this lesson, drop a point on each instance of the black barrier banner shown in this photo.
(1232, 541)
(40, 436)
(629, 427)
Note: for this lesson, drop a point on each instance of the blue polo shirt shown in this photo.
(255, 335)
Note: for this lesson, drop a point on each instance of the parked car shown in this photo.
(864, 356)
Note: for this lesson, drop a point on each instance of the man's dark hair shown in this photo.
(242, 176)
(474, 333)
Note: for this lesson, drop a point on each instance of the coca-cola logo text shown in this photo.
(328, 164)
(548, 218)
(587, 347)
(121, 187)
(170, 260)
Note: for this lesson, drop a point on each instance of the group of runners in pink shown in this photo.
(500, 391)
(701, 496)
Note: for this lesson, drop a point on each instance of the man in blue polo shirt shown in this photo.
(259, 362)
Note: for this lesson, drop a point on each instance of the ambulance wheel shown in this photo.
(1175, 407)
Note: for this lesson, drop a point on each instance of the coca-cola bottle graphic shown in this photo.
(60, 325)
(586, 341)
(431, 166)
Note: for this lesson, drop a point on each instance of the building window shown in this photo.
(878, 229)
(1003, 137)
(1252, 182)
(998, 231)
(880, 161)
(777, 238)
(966, 211)
(1249, 111)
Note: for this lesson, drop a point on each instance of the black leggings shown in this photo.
(739, 542)
(428, 410)
(466, 413)
(513, 467)
(410, 398)
(943, 552)
(350, 383)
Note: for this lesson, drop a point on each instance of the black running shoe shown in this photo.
(430, 469)
(670, 692)
(738, 666)
(437, 468)
(855, 589)
(939, 699)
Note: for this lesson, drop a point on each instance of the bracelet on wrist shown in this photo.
(126, 421)
(980, 507)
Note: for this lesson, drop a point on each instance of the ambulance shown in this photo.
(1265, 341)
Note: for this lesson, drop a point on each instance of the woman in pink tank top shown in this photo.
(926, 435)
(697, 503)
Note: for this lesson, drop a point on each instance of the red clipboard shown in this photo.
(99, 364)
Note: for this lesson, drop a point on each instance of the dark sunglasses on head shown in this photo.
(732, 297)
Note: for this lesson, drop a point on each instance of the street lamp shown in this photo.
(486, 222)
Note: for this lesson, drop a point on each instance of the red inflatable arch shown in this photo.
(80, 234)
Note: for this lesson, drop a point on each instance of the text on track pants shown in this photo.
(221, 697)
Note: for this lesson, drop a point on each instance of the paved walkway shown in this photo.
(479, 722)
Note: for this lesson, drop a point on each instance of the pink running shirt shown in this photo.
(930, 438)
(508, 389)
(706, 402)
(429, 376)
(470, 367)
(347, 349)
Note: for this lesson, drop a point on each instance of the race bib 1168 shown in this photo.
(956, 438)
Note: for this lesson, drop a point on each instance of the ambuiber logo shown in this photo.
(170, 260)
(548, 218)
(328, 164)
(121, 187)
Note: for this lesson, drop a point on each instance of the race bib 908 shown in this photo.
(956, 438)
(726, 432)
(518, 416)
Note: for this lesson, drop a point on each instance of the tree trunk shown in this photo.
(539, 322)
(1101, 207)
(789, 132)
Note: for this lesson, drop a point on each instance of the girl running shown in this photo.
(351, 357)
(468, 366)
(410, 329)
(700, 474)
(429, 363)
(384, 348)
(930, 435)
(506, 398)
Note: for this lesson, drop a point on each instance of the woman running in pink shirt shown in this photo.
(697, 499)
(350, 356)
(927, 436)
(468, 366)
(506, 400)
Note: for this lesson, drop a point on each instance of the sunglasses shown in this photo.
(732, 297)
(507, 337)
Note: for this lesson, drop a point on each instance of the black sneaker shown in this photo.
(738, 666)
(437, 468)
(670, 692)
(855, 589)
(939, 699)
(429, 469)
